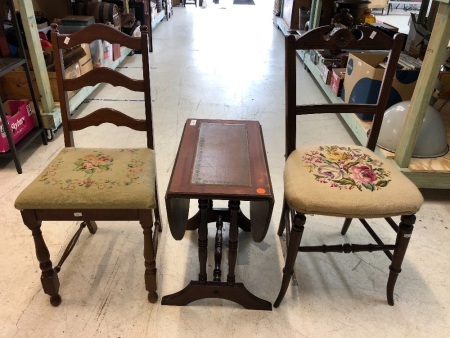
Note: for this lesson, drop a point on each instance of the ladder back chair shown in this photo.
(347, 181)
(97, 184)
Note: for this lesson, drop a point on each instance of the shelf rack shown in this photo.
(51, 113)
(8, 64)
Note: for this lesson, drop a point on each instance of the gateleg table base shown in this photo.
(219, 160)
(237, 293)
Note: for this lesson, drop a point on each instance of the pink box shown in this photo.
(337, 80)
(20, 121)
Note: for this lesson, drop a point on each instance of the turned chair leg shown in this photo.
(49, 277)
(149, 257)
(284, 218)
(157, 214)
(291, 254)
(346, 225)
(92, 226)
(405, 230)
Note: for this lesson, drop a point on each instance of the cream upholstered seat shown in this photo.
(85, 178)
(97, 184)
(348, 181)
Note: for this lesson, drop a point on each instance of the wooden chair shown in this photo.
(97, 184)
(347, 181)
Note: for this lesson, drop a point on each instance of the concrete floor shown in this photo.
(228, 64)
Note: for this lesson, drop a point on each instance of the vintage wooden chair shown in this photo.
(97, 184)
(346, 181)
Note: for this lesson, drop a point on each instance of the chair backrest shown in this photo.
(361, 38)
(100, 75)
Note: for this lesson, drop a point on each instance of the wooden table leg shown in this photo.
(213, 214)
(232, 241)
(203, 240)
(230, 290)
(217, 273)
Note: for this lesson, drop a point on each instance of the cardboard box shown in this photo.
(86, 61)
(337, 80)
(14, 85)
(417, 40)
(363, 81)
(291, 12)
(116, 51)
(19, 116)
(107, 54)
(325, 73)
(78, 20)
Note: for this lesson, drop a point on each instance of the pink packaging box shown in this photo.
(20, 120)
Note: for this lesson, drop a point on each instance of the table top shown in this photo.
(221, 159)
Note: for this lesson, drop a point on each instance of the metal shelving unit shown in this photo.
(7, 65)
(51, 114)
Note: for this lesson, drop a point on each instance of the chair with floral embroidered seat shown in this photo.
(97, 184)
(347, 181)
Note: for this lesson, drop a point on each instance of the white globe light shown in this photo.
(432, 138)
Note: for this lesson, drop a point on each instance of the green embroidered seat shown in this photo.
(83, 178)
(347, 181)
(85, 185)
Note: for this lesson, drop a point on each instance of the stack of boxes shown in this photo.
(358, 79)
(363, 81)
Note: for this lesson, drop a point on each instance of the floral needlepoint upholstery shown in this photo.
(81, 178)
(317, 178)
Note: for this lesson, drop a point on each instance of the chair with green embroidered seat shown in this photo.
(347, 181)
(97, 184)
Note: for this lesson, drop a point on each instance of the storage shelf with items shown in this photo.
(19, 125)
(424, 172)
(51, 114)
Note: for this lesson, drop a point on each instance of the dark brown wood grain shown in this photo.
(224, 160)
(181, 186)
(149, 219)
(360, 38)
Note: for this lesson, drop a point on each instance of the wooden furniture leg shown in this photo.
(49, 277)
(284, 218)
(203, 240)
(232, 241)
(146, 221)
(295, 237)
(346, 225)
(404, 233)
(217, 273)
(202, 288)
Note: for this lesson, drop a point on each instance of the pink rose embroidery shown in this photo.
(363, 174)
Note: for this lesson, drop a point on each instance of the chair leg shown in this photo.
(284, 218)
(291, 254)
(346, 225)
(406, 227)
(92, 226)
(49, 277)
(158, 223)
(149, 256)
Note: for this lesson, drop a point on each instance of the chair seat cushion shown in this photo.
(347, 181)
(82, 178)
